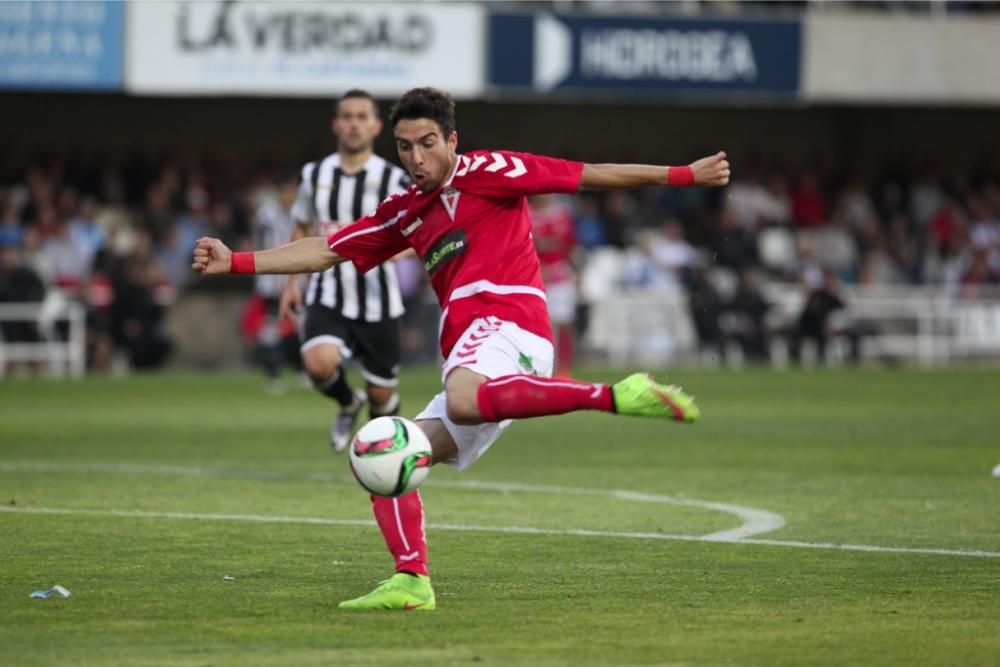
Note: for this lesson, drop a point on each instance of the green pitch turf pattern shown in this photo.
(167, 484)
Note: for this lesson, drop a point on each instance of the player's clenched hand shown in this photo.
(291, 300)
(211, 256)
(712, 171)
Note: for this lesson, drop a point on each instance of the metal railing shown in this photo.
(929, 326)
(63, 354)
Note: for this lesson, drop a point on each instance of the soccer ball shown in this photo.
(390, 456)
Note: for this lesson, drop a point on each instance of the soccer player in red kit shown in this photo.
(555, 241)
(466, 216)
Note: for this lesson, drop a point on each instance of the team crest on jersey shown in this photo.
(450, 200)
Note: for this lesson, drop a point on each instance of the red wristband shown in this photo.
(242, 262)
(680, 177)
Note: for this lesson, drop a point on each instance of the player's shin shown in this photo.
(336, 387)
(523, 396)
(401, 521)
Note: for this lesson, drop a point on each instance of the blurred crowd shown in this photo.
(116, 235)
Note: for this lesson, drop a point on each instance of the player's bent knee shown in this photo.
(443, 447)
(384, 402)
(380, 395)
(320, 364)
(462, 408)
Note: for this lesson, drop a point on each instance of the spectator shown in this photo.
(809, 207)
(274, 340)
(815, 321)
(66, 257)
(904, 247)
(707, 309)
(590, 228)
(748, 322)
(672, 256)
(18, 284)
(137, 313)
(732, 245)
(86, 233)
(979, 280)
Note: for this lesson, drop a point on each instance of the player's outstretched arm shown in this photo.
(711, 171)
(309, 255)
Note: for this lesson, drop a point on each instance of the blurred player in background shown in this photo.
(555, 242)
(467, 217)
(349, 314)
(272, 335)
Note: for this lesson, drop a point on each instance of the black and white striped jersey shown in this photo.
(272, 226)
(329, 198)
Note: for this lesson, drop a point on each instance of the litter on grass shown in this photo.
(55, 590)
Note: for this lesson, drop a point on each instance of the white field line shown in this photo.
(754, 521)
(516, 530)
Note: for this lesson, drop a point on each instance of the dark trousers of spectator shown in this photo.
(148, 350)
(820, 340)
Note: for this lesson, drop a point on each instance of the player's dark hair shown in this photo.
(431, 103)
(356, 93)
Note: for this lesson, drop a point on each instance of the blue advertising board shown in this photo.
(61, 45)
(643, 55)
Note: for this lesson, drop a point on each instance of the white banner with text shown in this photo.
(228, 47)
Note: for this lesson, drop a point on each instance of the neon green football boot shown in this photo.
(400, 591)
(641, 396)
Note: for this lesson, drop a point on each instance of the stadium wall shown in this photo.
(876, 59)
(248, 128)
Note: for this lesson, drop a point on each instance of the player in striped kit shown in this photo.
(467, 217)
(349, 314)
(272, 225)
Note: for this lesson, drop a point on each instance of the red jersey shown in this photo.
(555, 240)
(474, 236)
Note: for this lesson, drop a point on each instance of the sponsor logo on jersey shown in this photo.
(412, 227)
(446, 249)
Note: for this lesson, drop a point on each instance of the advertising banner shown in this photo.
(61, 45)
(643, 55)
(303, 48)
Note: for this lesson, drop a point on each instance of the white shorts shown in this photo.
(493, 348)
(561, 298)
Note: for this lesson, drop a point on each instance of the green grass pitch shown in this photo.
(166, 485)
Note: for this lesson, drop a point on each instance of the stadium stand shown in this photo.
(114, 236)
(897, 198)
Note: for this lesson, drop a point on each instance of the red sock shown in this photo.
(401, 521)
(520, 396)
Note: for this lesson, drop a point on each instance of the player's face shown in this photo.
(426, 153)
(356, 125)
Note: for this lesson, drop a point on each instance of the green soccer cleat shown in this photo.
(641, 396)
(400, 591)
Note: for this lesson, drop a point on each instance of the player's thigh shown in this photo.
(378, 348)
(324, 342)
(443, 445)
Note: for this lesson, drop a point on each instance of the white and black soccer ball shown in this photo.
(390, 456)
